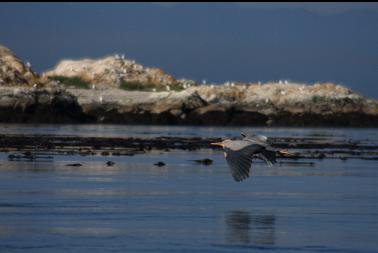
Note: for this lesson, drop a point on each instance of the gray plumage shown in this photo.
(239, 154)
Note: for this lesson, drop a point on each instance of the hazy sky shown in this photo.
(217, 42)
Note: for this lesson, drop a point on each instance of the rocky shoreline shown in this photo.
(117, 90)
(188, 107)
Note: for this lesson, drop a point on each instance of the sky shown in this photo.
(247, 42)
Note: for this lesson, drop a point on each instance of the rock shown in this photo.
(121, 106)
(74, 164)
(12, 156)
(14, 72)
(183, 101)
(212, 114)
(45, 105)
(205, 161)
(110, 163)
(111, 71)
(159, 164)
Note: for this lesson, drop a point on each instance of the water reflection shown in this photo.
(246, 228)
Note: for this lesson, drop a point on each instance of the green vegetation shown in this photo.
(320, 99)
(176, 87)
(75, 81)
(79, 83)
(136, 85)
(145, 86)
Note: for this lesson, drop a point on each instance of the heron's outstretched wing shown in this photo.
(240, 160)
(261, 138)
(268, 156)
(257, 139)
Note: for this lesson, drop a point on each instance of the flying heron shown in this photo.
(239, 153)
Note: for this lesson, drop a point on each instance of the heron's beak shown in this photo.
(217, 144)
(286, 153)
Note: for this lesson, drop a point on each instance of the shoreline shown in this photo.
(186, 108)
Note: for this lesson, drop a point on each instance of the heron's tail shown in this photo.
(269, 157)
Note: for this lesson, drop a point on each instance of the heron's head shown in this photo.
(221, 144)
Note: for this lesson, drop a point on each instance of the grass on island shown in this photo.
(75, 81)
(176, 87)
(145, 86)
(136, 85)
(320, 99)
(79, 83)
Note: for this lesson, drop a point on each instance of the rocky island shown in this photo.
(115, 89)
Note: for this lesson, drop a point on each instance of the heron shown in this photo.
(239, 153)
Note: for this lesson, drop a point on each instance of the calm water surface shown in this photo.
(135, 206)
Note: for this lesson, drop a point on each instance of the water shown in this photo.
(91, 130)
(135, 206)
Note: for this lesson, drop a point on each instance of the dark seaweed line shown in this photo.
(27, 146)
(52, 142)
